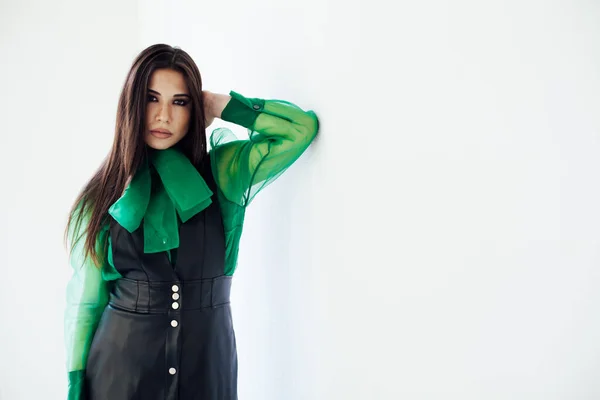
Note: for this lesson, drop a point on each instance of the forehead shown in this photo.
(167, 81)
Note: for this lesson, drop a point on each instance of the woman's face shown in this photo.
(168, 109)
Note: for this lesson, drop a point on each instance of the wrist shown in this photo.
(242, 110)
(218, 103)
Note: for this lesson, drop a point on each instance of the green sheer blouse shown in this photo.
(279, 132)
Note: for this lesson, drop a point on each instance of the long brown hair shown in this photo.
(129, 150)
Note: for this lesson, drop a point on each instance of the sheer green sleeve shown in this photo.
(86, 297)
(279, 132)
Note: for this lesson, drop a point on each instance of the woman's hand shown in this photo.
(214, 104)
(207, 99)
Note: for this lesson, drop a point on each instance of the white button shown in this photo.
(174, 324)
(175, 305)
(175, 288)
(164, 241)
(172, 371)
(175, 296)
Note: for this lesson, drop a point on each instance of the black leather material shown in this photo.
(136, 345)
(157, 297)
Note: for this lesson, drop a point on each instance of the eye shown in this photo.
(181, 102)
(151, 98)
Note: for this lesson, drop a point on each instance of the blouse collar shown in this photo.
(179, 190)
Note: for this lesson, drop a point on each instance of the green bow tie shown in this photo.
(181, 190)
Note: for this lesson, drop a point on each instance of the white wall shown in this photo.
(440, 239)
(62, 66)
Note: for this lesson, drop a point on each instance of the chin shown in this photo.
(161, 144)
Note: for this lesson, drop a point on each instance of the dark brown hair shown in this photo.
(129, 150)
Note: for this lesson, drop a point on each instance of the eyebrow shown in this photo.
(177, 95)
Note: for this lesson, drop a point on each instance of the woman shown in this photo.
(155, 233)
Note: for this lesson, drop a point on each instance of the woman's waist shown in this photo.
(154, 297)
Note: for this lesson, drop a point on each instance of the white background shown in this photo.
(439, 240)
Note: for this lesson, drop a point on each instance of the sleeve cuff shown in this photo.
(241, 110)
(76, 379)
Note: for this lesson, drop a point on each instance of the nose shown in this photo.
(163, 114)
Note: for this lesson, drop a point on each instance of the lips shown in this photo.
(161, 130)
(161, 133)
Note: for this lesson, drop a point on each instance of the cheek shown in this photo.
(183, 118)
(150, 111)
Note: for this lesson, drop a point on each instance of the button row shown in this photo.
(175, 304)
(174, 322)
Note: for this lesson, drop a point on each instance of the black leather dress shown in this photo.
(167, 332)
